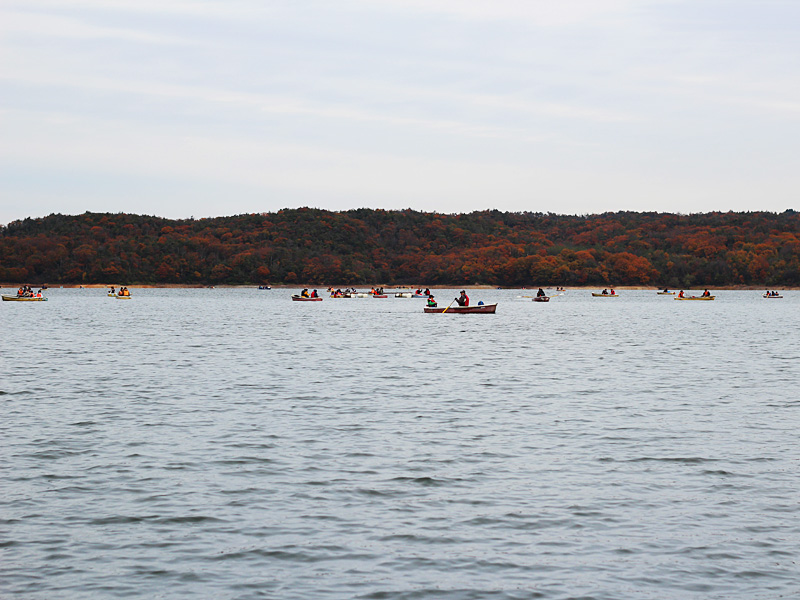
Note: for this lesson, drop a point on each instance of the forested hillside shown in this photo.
(395, 247)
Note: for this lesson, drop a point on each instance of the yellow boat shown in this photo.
(605, 295)
(23, 299)
(123, 297)
(665, 293)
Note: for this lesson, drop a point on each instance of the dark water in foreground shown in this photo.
(234, 444)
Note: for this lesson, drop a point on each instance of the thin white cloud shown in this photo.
(25, 24)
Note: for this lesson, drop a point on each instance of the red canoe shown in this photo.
(480, 309)
(301, 299)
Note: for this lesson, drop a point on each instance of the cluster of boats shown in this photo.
(24, 299)
(26, 294)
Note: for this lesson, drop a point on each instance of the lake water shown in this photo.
(230, 443)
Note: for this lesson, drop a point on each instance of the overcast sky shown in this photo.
(198, 108)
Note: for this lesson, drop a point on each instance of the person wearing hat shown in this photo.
(463, 300)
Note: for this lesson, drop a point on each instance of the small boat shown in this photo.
(23, 299)
(478, 309)
(404, 295)
(665, 293)
(264, 287)
(111, 295)
(379, 296)
(773, 296)
(541, 298)
(123, 297)
(419, 295)
(605, 295)
(694, 298)
(303, 299)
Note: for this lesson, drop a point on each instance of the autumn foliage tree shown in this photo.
(363, 246)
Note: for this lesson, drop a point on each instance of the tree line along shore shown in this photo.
(291, 247)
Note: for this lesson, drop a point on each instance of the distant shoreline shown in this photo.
(398, 288)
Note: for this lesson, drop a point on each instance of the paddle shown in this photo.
(449, 305)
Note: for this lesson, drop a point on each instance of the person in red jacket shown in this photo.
(463, 300)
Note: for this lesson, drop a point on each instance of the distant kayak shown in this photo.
(303, 299)
(541, 298)
(694, 298)
(665, 293)
(123, 297)
(479, 309)
(605, 295)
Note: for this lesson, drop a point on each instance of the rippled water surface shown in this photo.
(230, 443)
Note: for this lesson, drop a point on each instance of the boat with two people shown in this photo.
(606, 294)
(305, 296)
(773, 294)
(479, 309)
(706, 295)
(463, 307)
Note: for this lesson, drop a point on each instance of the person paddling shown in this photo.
(463, 299)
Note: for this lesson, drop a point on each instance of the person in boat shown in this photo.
(427, 292)
(463, 299)
(432, 302)
(314, 294)
(540, 293)
(112, 290)
(304, 293)
(680, 294)
(39, 294)
(605, 292)
(613, 293)
(21, 291)
(706, 294)
(666, 290)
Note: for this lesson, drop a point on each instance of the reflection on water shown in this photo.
(231, 443)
